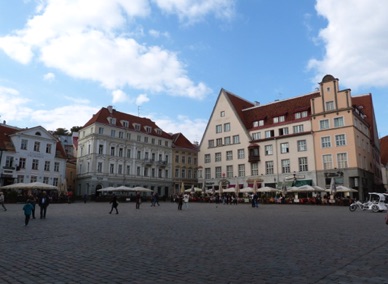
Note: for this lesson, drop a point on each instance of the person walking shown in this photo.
(32, 199)
(114, 204)
(27, 208)
(2, 201)
(138, 200)
(156, 199)
(44, 202)
(186, 198)
(180, 201)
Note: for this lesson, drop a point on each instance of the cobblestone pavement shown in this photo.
(82, 243)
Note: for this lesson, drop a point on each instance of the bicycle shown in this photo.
(357, 205)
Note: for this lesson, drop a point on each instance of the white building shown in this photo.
(30, 155)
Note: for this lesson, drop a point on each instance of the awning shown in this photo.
(303, 182)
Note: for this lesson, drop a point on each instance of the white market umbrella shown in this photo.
(246, 190)
(141, 189)
(266, 189)
(32, 185)
(106, 189)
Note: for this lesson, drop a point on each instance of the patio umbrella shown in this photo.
(32, 185)
(220, 190)
(231, 189)
(342, 188)
(246, 189)
(141, 189)
(254, 186)
(284, 188)
(123, 188)
(237, 188)
(333, 188)
(106, 189)
(182, 187)
(266, 189)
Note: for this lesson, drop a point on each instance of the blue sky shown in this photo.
(62, 60)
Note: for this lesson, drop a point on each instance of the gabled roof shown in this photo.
(5, 139)
(180, 141)
(104, 114)
(286, 108)
(365, 101)
(384, 150)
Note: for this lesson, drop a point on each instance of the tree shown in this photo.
(75, 129)
(61, 131)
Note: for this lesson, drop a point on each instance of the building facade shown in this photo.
(30, 155)
(308, 139)
(115, 148)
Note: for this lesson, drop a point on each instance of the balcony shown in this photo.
(162, 163)
(254, 155)
(148, 162)
(8, 172)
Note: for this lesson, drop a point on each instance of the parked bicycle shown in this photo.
(357, 205)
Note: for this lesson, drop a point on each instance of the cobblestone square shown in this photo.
(82, 243)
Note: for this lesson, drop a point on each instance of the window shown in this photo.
(283, 131)
(261, 122)
(24, 144)
(236, 139)
(138, 171)
(284, 148)
(207, 158)
(211, 143)
(299, 115)
(9, 161)
(325, 142)
(111, 168)
(303, 164)
(218, 157)
(35, 164)
(324, 124)
(177, 173)
(302, 146)
(229, 155)
(342, 160)
(219, 142)
(227, 140)
(99, 167)
(255, 123)
(45, 180)
(329, 106)
(285, 166)
(112, 151)
(218, 172)
(269, 133)
(48, 148)
(101, 130)
(121, 151)
(207, 173)
(229, 171)
(218, 128)
(298, 128)
(36, 146)
(256, 136)
(113, 133)
(128, 153)
(268, 150)
(146, 139)
(327, 162)
(120, 170)
(33, 179)
(338, 121)
(278, 119)
(226, 127)
(269, 167)
(240, 154)
(22, 163)
(340, 140)
(241, 170)
(254, 169)
(47, 166)
(121, 134)
(128, 170)
(222, 113)
(56, 167)
(100, 149)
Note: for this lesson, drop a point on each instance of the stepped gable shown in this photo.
(5, 140)
(384, 150)
(180, 141)
(104, 113)
(286, 107)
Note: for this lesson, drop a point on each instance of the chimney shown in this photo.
(110, 108)
(257, 103)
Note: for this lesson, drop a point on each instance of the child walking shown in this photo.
(27, 208)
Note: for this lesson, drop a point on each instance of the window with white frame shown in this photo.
(269, 133)
(302, 145)
(298, 128)
(99, 167)
(229, 155)
(240, 154)
(33, 179)
(329, 106)
(324, 124)
(226, 127)
(113, 133)
(227, 140)
(219, 142)
(283, 131)
(241, 170)
(211, 143)
(342, 160)
(207, 173)
(269, 167)
(120, 170)
(268, 150)
(285, 166)
(207, 158)
(111, 168)
(261, 122)
(56, 167)
(338, 121)
(222, 113)
(229, 171)
(22, 163)
(101, 130)
(36, 146)
(327, 161)
(47, 166)
(256, 135)
(48, 148)
(218, 172)
(24, 144)
(236, 139)
(218, 128)
(35, 164)
(255, 123)
(325, 142)
(46, 180)
(340, 140)
(284, 148)
(254, 169)
(217, 157)
(303, 167)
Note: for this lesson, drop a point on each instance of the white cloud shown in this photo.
(192, 11)
(141, 99)
(157, 34)
(355, 41)
(119, 96)
(192, 129)
(15, 109)
(49, 77)
(86, 40)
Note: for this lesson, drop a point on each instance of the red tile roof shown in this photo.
(180, 141)
(367, 108)
(5, 141)
(103, 114)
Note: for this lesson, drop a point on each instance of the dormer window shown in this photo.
(158, 131)
(125, 123)
(255, 124)
(137, 126)
(148, 129)
(111, 120)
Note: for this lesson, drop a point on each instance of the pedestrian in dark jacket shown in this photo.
(114, 204)
(27, 208)
(138, 200)
(44, 202)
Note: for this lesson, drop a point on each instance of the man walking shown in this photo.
(2, 200)
(44, 202)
